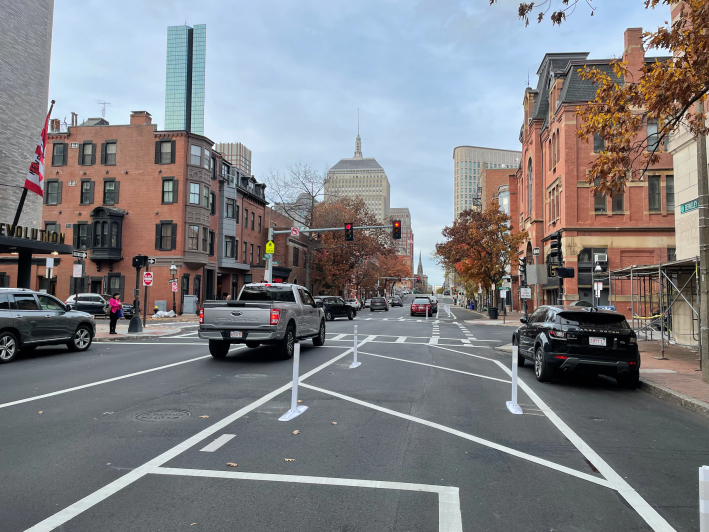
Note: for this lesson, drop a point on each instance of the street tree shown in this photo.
(480, 246)
(557, 10)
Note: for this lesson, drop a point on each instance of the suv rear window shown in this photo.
(25, 302)
(421, 301)
(267, 293)
(378, 300)
(593, 319)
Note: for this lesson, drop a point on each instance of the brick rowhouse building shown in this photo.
(553, 196)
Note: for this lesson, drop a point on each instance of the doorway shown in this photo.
(97, 286)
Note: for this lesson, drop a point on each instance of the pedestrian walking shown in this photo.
(115, 312)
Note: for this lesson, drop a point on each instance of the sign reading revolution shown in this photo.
(30, 233)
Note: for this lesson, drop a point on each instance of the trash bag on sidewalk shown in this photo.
(161, 314)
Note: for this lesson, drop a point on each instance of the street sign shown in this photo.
(50, 262)
(506, 285)
(276, 263)
(174, 287)
(294, 231)
(503, 293)
(525, 293)
(173, 281)
(147, 278)
(79, 254)
(689, 206)
(77, 271)
(535, 252)
(270, 247)
(152, 261)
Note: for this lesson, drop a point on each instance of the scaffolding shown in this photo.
(654, 292)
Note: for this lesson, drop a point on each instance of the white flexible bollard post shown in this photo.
(512, 405)
(704, 499)
(355, 363)
(295, 410)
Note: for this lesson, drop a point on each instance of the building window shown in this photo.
(671, 254)
(166, 152)
(618, 202)
(168, 191)
(652, 137)
(212, 203)
(296, 253)
(109, 156)
(195, 155)
(82, 239)
(205, 197)
(109, 192)
(251, 256)
(213, 167)
(205, 239)
(207, 158)
(87, 192)
(193, 237)
(58, 151)
(53, 195)
(211, 243)
(229, 206)
(654, 196)
(259, 224)
(236, 249)
(87, 156)
(258, 254)
(194, 194)
(599, 200)
(599, 144)
(114, 235)
(236, 212)
(166, 236)
(229, 247)
(670, 193)
(52, 227)
(246, 218)
(529, 185)
(253, 217)
(243, 255)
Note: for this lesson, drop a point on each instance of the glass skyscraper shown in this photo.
(184, 87)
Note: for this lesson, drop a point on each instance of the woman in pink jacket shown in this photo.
(115, 304)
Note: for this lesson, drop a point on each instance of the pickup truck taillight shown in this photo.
(201, 316)
(275, 316)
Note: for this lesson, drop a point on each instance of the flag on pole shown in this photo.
(35, 177)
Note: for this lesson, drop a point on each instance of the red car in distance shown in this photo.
(421, 305)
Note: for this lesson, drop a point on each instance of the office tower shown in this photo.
(184, 87)
(237, 154)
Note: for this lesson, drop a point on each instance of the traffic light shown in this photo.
(396, 230)
(418, 279)
(555, 248)
(349, 232)
(523, 269)
(399, 278)
(140, 261)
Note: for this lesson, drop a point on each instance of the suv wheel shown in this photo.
(319, 340)
(218, 348)
(8, 347)
(81, 340)
(542, 369)
(287, 345)
(328, 315)
(350, 315)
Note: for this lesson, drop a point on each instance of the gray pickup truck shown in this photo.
(272, 314)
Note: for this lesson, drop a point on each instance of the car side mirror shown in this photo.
(523, 319)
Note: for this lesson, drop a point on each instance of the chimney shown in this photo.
(634, 54)
(74, 119)
(140, 118)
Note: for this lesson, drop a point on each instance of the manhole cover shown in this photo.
(249, 375)
(163, 415)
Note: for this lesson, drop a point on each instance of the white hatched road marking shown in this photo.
(433, 340)
(400, 340)
(216, 444)
(338, 337)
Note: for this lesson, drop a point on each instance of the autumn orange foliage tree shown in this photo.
(479, 246)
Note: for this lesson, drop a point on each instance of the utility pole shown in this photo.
(703, 190)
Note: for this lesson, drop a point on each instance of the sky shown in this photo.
(286, 78)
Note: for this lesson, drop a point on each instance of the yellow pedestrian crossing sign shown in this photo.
(270, 247)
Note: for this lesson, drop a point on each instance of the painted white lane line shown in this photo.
(400, 340)
(71, 511)
(411, 337)
(193, 333)
(640, 505)
(449, 518)
(437, 367)
(427, 343)
(338, 337)
(216, 444)
(481, 441)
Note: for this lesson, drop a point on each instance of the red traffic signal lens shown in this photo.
(396, 224)
(348, 226)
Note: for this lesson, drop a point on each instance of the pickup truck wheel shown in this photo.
(319, 340)
(252, 345)
(81, 340)
(328, 316)
(287, 345)
(350, 315)
(8, 347)
(218, 348)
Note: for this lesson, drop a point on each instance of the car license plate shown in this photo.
(239, 334)
(597, 341)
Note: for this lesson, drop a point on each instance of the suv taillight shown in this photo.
(561, 335)
(275, 316)
(201, 316)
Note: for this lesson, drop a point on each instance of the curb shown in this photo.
(507, 348)
(674, 397)
(125, 337)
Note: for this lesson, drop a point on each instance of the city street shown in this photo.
(158, 435)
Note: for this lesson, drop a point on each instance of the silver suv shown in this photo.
(29, 319)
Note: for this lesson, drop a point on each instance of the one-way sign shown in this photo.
(152, 261)
(79, 254)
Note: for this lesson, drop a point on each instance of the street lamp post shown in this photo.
(173, 273)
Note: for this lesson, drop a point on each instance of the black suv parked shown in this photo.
(336, 307)
(583, 339)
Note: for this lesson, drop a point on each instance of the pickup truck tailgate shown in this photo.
(237, 316)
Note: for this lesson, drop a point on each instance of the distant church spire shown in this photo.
(358, 142)
(419, 270)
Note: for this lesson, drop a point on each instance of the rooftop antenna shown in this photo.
(527, 77)
(103, 109)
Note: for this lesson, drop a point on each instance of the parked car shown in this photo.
(582, 339)
(397, 302)
(355, 303)
(378, 303)
(446, 292)
(336, 307)
(264, 313)
(367, 303)
(421, 305)
(30, 319)
(93, 304)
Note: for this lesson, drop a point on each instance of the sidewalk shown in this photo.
(481, 318)
(151, 330)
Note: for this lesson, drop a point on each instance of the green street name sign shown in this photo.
(689, 206)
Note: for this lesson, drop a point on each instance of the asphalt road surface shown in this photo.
(159, 436)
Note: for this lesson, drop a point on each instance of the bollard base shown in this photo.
(291, 414)
(135, 325)
(355, 365)
(514, 408)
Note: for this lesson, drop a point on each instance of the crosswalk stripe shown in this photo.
(433, 341)
(338, 337)
(400, 340)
